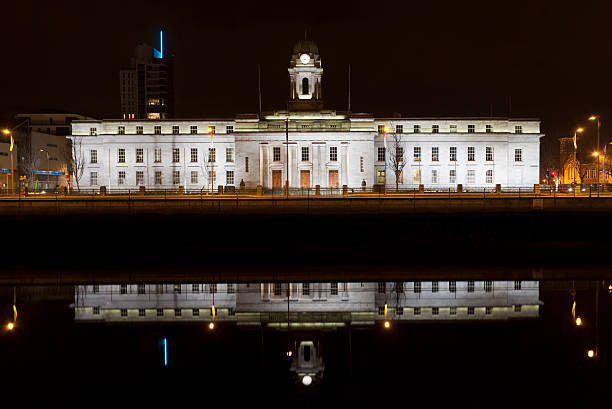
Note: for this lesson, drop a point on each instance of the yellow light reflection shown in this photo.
(211, 325)
(387, 324)
(590, 353)
(10, 326)
(578, 321)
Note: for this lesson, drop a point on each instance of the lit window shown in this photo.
(471, 128)
(178, 289)
(194, 155)
(276, 153)
(176, 155)
(452, 154)
(121, 178)
(229, 177)
(121, 155)
(305, 154)
(93, 156)
(471, 153)
(417, 153)
(229, 155)
(435, 154)
(194, 177)
(139, 155)
(381, 128)
(157, 129)
(453, 128)
(176, 177)
(333, 153)
(158, 155)
(489, 153)
(380, 176)
(381, 154)
(518, 155)
(417, 176)
(139, 177)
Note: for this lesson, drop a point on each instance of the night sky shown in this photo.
(552, 61)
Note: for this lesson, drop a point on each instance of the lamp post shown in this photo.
(8, 132)
(385, 129)
(287, 158)
(596, 118)
(575, 148)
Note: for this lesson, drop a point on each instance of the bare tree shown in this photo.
(207, 168)
(77, 159)
(395, 157)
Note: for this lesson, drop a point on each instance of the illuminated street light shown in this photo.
(6, 131)
(590, 353)
(10, 326)
(578, 321)
(595, 153)
(289, 353)
(306, 380)
(387, 324)
(211, 326)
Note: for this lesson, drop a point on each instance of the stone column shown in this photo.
(263, 165)
(315, 165)
(344, 171)
(293, 170)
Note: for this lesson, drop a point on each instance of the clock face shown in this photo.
(304, 58)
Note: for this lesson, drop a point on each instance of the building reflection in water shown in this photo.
(308, 308)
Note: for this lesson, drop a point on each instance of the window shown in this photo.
(229, 177)
(380, 176)
(304, 86)
(124, 312)
(121, 180)
(178, 289)
(518, 155)
(212, 177)
(381, 128)
(305, 154)
(470, 311)
(229, 155)
(489, 176)
(246, 164)
(175, 130)
(488, 286)
(361, 164)
(417, 176)
(177, 312)
(194, 155)
(471, 153)
(434, 287)
(471, 176)
(417, 287)
(139, 177)
(212, 129)
(139, 155)
(93, 131)
(452, 286)
(193, 129)
(121, 155)
(194, 177)
(333, 288)
(195, 288)
(333, 153)
(417, 310)
(93, 156)
(142, 312)
(435, 128)
(417, 153)
(453, 128)
(158, 156)
(434, 176)
(399, 128)
(195, 312)
(517, 308)
(176, 155)
(158, 177)
(435, 310)
(306, 289)
(488, 310)
(139, 129)
(212, 154)
(518, 129)
(416, 128)
(230, 288)
(470, 287)
(517, 285)
(489, 128)
(277, 289)
(123, 289)
(489, 153)
(452, 154)
(471, 128)
(121, 130)
(160, 312)
(229, 129)
(276, 153)
(96, 310)
(93, 178)
(157, 129)
(435, 154)
(453, 311)
(176, 177)
(381, 288)
(381, 154)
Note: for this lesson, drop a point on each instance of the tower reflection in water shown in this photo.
(305, 310)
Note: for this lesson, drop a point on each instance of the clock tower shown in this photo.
(305, 71)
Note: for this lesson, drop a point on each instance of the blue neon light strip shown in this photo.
(161, 44)
(5, 170)
(165, 352)
(47, 172)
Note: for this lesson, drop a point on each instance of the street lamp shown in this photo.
(596, 118)
(385, 130)
(48, 169)
(575, 148)
(8, 132)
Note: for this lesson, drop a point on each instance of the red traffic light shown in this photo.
(553, 173)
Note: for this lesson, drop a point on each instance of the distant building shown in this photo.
(147, 85)
(5, 166)
(582, 171)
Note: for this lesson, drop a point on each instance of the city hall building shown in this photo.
(306, 146)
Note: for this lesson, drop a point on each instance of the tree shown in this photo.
(76, 160)
(395, 158)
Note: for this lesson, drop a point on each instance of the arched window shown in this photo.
(305, 86)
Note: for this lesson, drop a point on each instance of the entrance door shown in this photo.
(305, 179)
(333, 179)
(277, 179)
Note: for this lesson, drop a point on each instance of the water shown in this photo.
(498, 343)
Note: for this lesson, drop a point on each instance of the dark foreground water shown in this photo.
(475, 343)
